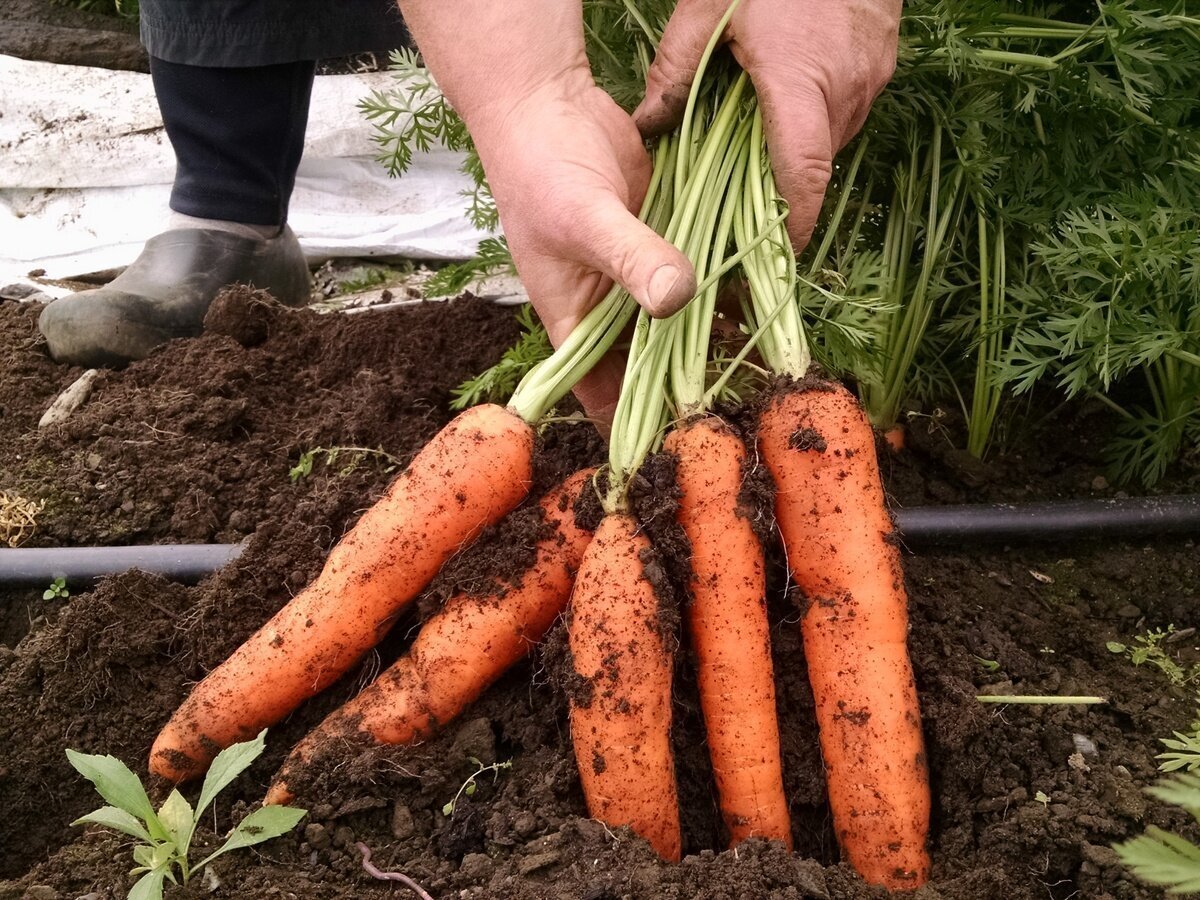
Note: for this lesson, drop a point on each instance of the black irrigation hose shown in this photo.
(79, 565)
(919, 527)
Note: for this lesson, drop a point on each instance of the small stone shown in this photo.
(317, 836)
(1075, 761)
(476, 866)
(92, 461)
(810, 879)
(1104, 857)
(40, 892)
(403, 826)
(1129, 611)
(475, 739)
(1099, 483)
(538, 861)
(1084, 745)
(525, 824)
(210, 881)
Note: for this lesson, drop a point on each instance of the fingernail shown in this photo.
(662, 284)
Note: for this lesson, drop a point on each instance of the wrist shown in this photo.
(492, 59)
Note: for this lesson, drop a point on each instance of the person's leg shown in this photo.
(238, 135)
(234, 100)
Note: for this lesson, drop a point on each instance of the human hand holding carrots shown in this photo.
(566, 165)
(817, 66)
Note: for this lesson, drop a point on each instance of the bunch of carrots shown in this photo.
(713, 195)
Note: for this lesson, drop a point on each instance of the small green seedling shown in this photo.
(1160, 857)
(304, 465)
(1042, 798)
(166, 835)
(991, 666)
(1148, 648)
(468, 786)
(57, 590)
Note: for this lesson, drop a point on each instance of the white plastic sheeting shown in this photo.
(86, 169)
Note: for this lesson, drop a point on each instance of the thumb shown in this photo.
(658, 276)
(670, 76)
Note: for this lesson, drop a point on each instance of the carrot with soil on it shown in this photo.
(471, 474)
(727, 621)
(462, 649)
(621, 708)
(820, 449)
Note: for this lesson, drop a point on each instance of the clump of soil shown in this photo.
(196, 442)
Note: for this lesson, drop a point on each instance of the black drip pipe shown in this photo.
(919, 528)
(1049, 522)
(187, 563)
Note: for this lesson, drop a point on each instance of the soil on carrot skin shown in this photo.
(195, 443)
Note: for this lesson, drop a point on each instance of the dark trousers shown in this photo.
(238, 136)
(233, 80)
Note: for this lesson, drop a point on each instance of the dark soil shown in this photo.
(196, 443)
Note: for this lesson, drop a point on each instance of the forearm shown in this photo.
(488, 56)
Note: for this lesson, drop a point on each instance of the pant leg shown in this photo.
(238, 134)
(263, 32)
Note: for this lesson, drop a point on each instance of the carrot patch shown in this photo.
(473, 472)
(621, 709)
(727, 621)
(820, 450)
(469, 643)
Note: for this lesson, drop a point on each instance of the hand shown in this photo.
(817, 66)
(566, 189)
(566, 165)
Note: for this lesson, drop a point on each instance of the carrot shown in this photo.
(727, 620)
(473, 472)
(820, 449)
(469, 643)
(621, 713)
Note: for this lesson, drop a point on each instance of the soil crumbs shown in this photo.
(196, 444)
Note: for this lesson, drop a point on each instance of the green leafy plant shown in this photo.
(413, 117)
(492, 258)
(1148, 648)
(364, 278)
(498, 382)
(1183, 750)
(304, 466)
(469, 786)
(57, 590)
(165, 836)
(1160, 857)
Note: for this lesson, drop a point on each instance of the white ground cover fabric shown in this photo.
(86, 169)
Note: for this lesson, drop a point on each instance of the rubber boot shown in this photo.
(166, 291)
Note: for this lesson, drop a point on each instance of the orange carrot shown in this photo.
(820, 449)
(727, 620)
(621, 716)
(469, 643)
(473, 472)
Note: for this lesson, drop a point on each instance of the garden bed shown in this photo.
(196, 444)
